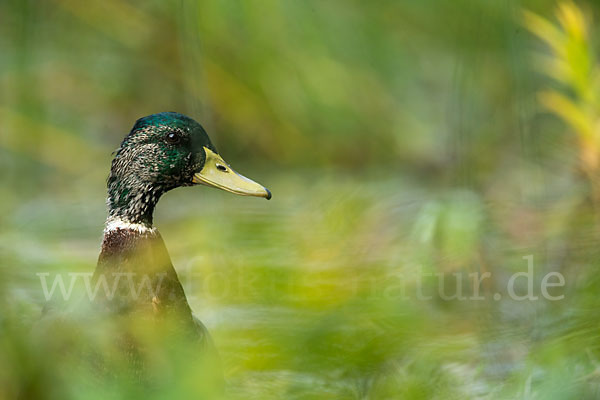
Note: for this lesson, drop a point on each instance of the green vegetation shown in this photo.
(403, 141)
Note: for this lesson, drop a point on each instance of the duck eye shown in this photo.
(172, 137)
(221, 167)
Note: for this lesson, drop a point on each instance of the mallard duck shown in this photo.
(162, 152)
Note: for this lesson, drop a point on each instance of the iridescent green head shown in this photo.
(164, 151)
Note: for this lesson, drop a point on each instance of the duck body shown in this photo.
(142, 280)
(138, 283)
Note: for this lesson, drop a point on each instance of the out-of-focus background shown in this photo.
(408, 144)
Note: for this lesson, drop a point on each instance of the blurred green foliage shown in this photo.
(400, 139)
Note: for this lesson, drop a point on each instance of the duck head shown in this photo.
(164, 151)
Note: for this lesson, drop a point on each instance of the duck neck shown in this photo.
(131, 202)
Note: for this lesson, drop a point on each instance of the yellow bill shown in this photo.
(217, 173)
